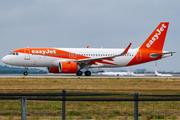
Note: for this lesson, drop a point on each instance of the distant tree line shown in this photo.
(4, 69)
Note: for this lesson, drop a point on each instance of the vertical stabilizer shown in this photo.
(156, 40)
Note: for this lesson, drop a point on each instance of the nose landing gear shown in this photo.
(25, 72)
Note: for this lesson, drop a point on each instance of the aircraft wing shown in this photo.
(103, 58)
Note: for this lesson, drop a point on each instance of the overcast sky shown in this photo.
(94, 23)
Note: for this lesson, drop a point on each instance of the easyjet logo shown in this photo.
(156, 35)
(44, 51)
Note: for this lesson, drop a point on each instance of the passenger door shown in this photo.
(26, 54)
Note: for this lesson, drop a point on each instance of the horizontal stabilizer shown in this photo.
(153, 55)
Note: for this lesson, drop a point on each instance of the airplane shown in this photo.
(162, 75)
(119, 73)
(159, 74)
(72, 60)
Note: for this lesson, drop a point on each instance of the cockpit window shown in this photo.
(13, 54)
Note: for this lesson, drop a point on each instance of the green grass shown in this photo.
(92, 110)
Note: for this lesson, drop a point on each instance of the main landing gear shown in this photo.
(25, 72)
(87, 73)
(79, 73)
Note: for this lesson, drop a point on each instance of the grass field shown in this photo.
(37, 110)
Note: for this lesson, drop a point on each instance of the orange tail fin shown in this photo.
(156, 40)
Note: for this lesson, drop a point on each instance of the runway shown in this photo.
(175, 76)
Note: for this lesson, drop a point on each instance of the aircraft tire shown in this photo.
(87, 73)
(79, 73)
(25, 73)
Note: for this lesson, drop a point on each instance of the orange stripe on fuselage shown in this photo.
(52, 52)
(110, 59)
(104, 62)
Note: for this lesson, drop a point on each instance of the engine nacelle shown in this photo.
(53, 69)
(64, 67)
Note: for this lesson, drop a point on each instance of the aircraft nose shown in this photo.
(4, 59)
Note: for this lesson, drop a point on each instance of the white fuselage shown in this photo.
(40, 60)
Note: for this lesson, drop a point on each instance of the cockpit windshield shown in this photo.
(13, 53)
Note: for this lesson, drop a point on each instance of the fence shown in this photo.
(79, 95)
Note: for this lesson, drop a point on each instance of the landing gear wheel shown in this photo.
(87, 73)
(79, 73)
(25, 73)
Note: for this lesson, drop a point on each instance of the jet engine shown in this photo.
(64, 67)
